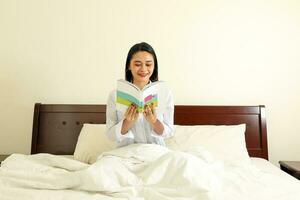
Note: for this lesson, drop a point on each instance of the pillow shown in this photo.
(225, 142)
(92, 142)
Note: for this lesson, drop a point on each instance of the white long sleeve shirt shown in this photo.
(141, 131)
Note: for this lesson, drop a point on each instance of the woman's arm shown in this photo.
(162, 125)
(130, 118)
(158, 127)
(150, 115)
(113, 124)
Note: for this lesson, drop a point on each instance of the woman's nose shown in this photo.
(144, 67)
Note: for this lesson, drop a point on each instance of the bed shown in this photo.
(56, 128)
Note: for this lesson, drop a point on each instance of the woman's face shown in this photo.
(141, 66)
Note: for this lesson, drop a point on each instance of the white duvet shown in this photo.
(140, 171)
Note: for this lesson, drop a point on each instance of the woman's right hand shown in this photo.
(130, 117)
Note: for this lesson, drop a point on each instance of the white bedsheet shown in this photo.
(261, 181)
(143, 172)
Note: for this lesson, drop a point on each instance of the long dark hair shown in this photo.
(143, 46)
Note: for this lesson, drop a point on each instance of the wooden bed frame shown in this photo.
(56, 126)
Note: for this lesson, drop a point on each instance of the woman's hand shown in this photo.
(131, 113)
(150, 114)
(130, 117)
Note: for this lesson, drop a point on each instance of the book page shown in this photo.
(155, 93)
(128, 93)
(150, 95)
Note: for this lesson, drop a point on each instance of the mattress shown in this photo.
(263, 181)
(268, 167)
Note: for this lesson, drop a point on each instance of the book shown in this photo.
(128, 93)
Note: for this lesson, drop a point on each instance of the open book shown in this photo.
(128, 93)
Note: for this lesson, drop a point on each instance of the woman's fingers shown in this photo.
(149, 113)
(147, 110)
(132, 112)
(129, 112)
(144, 110)
(153, 109)
(136, 115)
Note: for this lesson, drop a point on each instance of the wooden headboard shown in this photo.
(56, 126)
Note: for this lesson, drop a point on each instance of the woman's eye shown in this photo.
(139, 65)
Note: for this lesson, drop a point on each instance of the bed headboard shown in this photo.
(56, 126)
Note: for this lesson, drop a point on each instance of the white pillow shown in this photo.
(225, 142)
(92, 142)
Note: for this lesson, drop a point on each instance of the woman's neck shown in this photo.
(140, 85)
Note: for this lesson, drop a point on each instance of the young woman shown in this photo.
(152, 127)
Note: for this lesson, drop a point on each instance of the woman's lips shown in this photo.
(143, 75)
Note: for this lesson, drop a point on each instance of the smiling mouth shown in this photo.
(143, 75)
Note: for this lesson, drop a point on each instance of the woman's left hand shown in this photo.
(150, 114)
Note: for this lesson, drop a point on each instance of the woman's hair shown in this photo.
(143, 46)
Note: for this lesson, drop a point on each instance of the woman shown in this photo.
(127, 128)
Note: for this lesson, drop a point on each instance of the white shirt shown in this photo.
(141, 131)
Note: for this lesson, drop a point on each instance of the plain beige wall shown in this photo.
(209, 52)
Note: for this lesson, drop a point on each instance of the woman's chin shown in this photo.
(143, 79)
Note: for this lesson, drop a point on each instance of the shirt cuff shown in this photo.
(120, 137)
(154, 134)
(168, 131)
